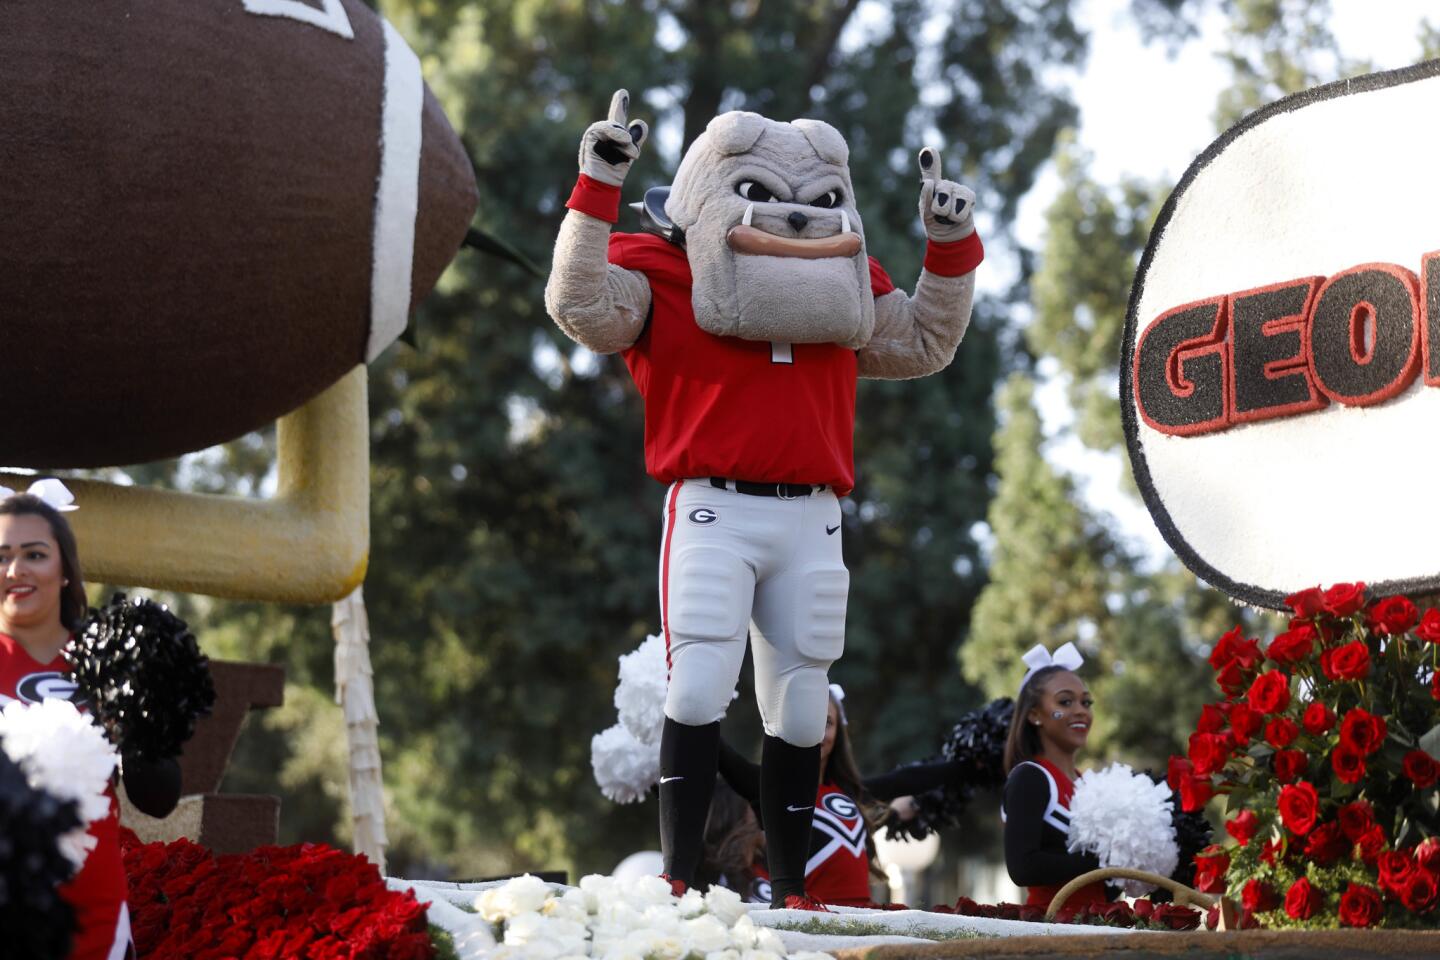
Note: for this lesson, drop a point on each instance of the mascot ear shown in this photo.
(829, 145)
(735, 132)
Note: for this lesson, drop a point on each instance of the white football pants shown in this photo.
(727, 559)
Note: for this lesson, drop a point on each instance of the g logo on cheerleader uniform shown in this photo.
(841, 806)
(703, 516)
(51, 685)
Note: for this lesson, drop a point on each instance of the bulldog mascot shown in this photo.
(745, 324)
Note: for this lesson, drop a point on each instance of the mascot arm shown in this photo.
(595, 303)
(918, 335)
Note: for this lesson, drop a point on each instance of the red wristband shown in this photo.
(599, 200)
(954, 259)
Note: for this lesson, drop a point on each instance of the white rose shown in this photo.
(743, 933)
(725, 904)
(705, 934)
(692, 904)
(643, 891)
(655, 946)
(767, 939)
(567, 908)
(525, 894)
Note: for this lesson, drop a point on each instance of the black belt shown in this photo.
(785, 491)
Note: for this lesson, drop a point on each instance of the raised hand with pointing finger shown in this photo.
(946, 207)
(610, 146)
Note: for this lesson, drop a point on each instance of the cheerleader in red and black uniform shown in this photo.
(842, 849)
(1051, 724)
(42, 605)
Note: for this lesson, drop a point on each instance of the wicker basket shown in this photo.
(1183, 894)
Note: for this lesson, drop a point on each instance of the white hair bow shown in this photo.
(1038, 658)
(837, 693)
(50, 491)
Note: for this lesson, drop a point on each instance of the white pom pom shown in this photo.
(64, 753)
(624, 767)
(640, 697)
(1123, 818)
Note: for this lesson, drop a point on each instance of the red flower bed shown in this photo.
(308, 901)
(1334, 812)
(1142, 915)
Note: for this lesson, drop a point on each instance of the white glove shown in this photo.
(946, 208)
(609, 147)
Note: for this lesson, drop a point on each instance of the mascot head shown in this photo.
(776, 246)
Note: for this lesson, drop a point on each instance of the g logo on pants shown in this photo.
(703, 516)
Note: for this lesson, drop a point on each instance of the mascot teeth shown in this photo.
(749, 212)
(844, 222)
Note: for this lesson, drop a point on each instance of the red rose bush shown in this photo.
(1325, 748)
(306, 901)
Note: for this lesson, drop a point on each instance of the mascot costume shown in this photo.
(745, 324)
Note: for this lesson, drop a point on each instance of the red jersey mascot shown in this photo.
(745, 327)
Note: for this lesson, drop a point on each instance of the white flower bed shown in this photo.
(528, 919)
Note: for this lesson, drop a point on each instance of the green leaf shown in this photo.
(1430, 742)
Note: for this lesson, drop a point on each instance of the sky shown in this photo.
(1154, 129)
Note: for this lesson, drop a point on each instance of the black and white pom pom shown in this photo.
(977, 744)
(143, 674)
(36, 921)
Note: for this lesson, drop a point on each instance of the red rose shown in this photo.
(1281, 732)
(1242, 826)
(1348, 662)
(1302, 900)
(1195, 792)
(1429, 627)
(1143, 909)
(1210, 866)
(1371, 843)
(1362, 731)
(1318, 718)
(1212, 719)
(1348, 763)
(1270, 693)
(1208, 753)
(1419, 894)
(1395, 869)
(1172, 916)
(1299, 806)
(1289, 765)
(1293, 645)
(1258, 897)
(1421, 768)
(1391, 616)
(1326, 844)
(1232, 658)
(1427, 853)
(1244, 722)
(1355, 818)
(1360, 906)
(1270, 853)
(1306, 603)
(1343, 599)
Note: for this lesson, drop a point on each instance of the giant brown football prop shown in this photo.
(210, 211)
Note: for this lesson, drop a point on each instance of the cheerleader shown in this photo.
(1050, 726)
(841, 857)
(42, 605)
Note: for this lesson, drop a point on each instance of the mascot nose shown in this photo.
(798, 220)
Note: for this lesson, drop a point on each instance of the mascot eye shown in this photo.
(752, 191)
(827, 200)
